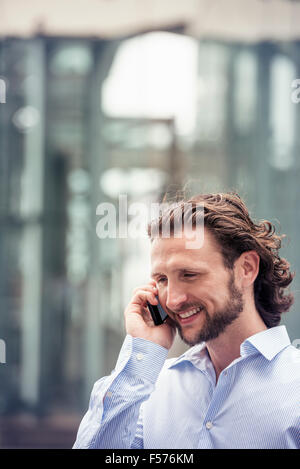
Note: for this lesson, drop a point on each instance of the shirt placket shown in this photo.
(220, 393)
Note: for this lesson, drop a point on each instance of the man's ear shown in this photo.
(247, 267)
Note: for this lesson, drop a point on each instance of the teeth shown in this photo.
(190, 313)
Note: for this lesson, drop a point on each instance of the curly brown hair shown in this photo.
(227, 218)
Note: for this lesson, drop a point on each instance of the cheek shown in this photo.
(162, 293)
(211, 293)
(221, 297)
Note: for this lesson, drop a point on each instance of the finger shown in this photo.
(152, 281)
(150, 288)
(142, 296)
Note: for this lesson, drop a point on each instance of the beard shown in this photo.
(215, 325)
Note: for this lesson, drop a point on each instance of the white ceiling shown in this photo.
(233, 20)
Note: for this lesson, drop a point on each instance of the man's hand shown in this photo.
(138, 319)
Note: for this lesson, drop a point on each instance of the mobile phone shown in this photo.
(158, 313)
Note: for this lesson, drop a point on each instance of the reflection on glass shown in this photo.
(282, 113)
(26, 118)
(79, 181)
(212, 89)
(137, 134)
(154, 75)
(245, 91)
(78, 211)
(134, 181)
(71, 58)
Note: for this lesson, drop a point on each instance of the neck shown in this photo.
(226, 347)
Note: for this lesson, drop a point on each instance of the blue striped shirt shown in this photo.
(151, 402)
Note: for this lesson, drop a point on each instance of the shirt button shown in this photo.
(108, 394)
(139, 356)
(225, 373)
(208, 425)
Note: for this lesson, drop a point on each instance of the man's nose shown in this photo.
(175, 298)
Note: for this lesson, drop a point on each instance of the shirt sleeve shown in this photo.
(111, 420)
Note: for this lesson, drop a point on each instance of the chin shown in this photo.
(191, 339)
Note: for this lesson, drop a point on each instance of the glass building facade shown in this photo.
(80, 127)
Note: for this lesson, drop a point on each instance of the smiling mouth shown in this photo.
(191, 312)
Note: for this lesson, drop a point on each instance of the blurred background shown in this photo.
(106, 97)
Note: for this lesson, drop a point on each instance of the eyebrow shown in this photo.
(156, 274)
(182, 269)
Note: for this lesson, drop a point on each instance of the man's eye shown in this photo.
(162, 279)
(189, 275)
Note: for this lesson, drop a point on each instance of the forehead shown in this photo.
(173, 253)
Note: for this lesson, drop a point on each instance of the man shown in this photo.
(238, 386)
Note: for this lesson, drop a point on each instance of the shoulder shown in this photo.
(291, 355)
(289, 359)
(284, 371)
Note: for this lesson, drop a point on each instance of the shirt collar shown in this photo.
(197, 355)
(268, 343)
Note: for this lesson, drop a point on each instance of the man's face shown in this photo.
(194, 287)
